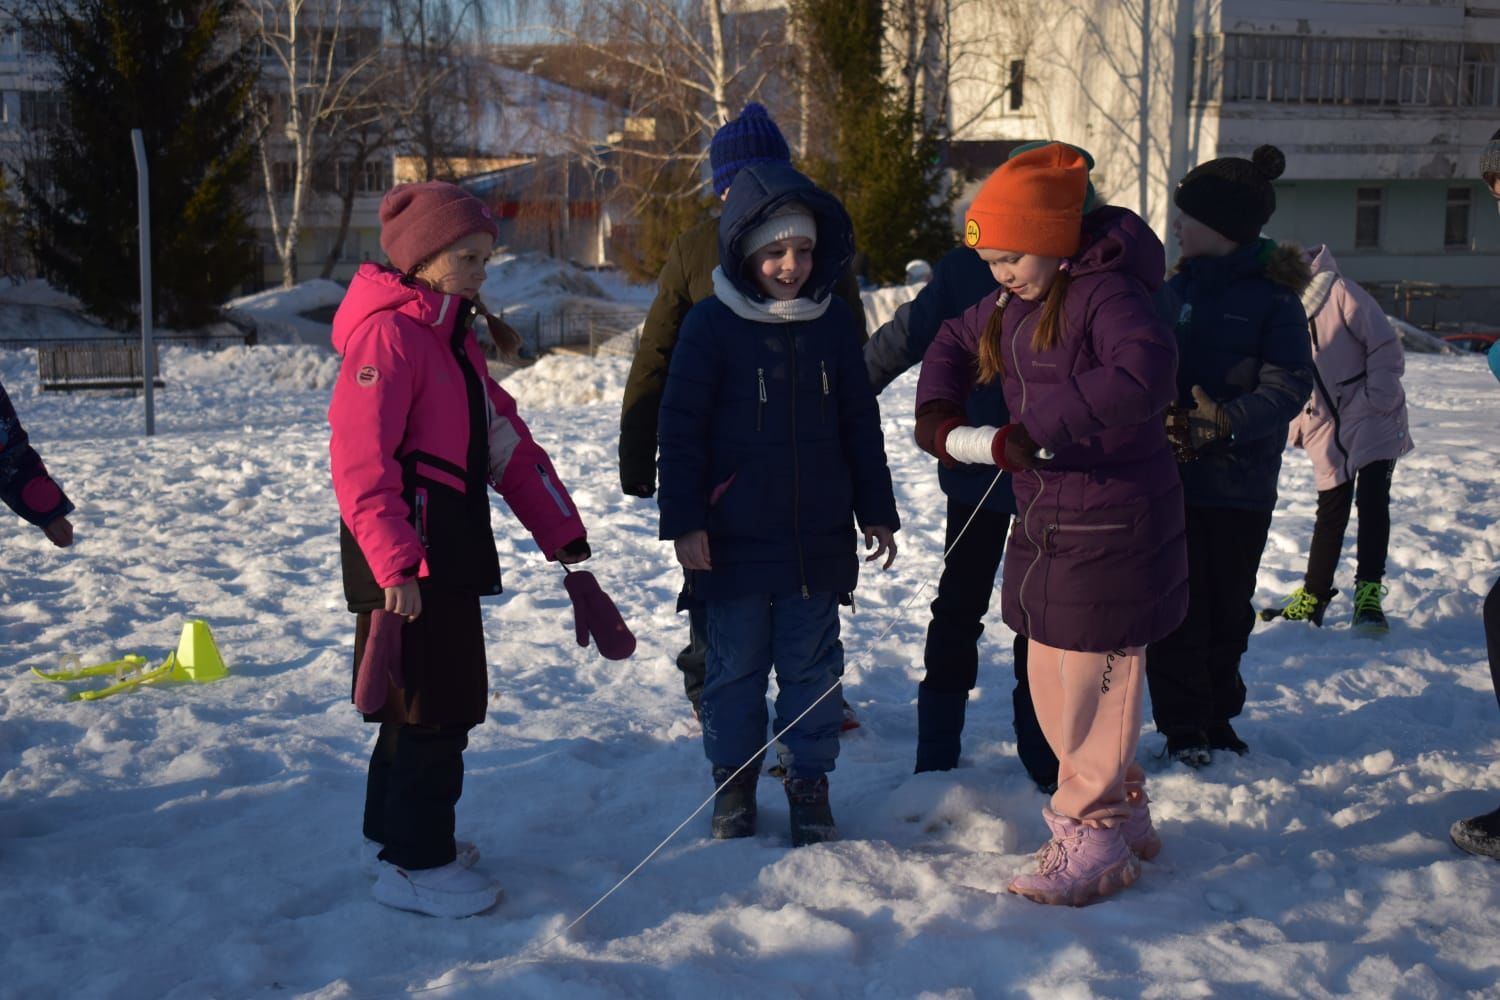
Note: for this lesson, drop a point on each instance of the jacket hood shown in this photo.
(1116, 239)
(757, 192)
(376, 289)
(1325, 272)
(1280, 263)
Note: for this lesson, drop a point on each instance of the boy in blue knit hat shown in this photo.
(686, 278)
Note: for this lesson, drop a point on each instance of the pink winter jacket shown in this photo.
(1357, 413)
(400, 424)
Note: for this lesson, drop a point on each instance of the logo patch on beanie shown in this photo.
(368, 376)
(971, 233)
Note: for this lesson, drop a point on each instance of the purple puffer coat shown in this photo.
(1097, 559)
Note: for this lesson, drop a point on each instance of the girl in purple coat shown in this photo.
(1096, 566)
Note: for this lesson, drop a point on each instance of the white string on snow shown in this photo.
(522, 955)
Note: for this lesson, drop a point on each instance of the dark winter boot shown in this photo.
(1369, 617)
(812, 819)
(1190, 747)
(734, 803)
(1221, 736)
(1303, 606)
(1478, 835)
(940, 724)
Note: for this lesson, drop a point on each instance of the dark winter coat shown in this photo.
(686, 278)
(770, 434)
(1098, 558)
(959, 280)
(25, 485)
(1242, 336)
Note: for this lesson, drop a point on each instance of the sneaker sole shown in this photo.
(1107, 884)
(453, 906)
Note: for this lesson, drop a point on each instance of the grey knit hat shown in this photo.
(1489, 160)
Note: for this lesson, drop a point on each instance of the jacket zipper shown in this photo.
(1333, 409)
(823, 405)
(760, 409)
(1050, 533)
(791, 343)
(419, 503)
(1015, 360)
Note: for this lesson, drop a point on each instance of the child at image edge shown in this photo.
(1096, 566)
(419, 431)
(770, 449)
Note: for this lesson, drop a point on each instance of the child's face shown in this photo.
(458, 270)
(781, 268)
(1024, 275)
(1493, 180)
(1194, 239)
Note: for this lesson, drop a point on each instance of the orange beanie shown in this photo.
(1031, 204)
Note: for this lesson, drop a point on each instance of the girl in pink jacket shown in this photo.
(419, 433)
(1353, 428)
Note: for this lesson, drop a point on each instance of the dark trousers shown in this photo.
(951, 657)
(1194, 673)
(1370, 490)
(416, 778)
(693, 659)
(1492, 634)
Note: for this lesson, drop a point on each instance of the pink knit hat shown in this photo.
(420, 220)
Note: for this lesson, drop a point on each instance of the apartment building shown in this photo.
(1381, 108)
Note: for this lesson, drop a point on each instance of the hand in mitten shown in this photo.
(380, 666)
(1207, 422)
(595, 614)
(1014, 449)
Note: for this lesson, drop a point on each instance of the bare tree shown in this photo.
(320, 82)
(435, 45)
(681, 68)
(975, 48)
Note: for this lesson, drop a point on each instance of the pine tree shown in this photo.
(877, 154)
(182, 72)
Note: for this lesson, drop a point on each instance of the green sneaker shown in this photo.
(1302, 606)
(1369, 619)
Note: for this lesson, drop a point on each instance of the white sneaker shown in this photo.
(450, 891)
(369, 855)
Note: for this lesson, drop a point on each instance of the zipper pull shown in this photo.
(823, 367)
(760, 379)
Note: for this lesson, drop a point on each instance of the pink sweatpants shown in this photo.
(1089, 707)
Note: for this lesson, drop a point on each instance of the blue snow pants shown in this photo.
(797, 635)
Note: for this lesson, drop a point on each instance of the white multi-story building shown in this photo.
(1381, 108)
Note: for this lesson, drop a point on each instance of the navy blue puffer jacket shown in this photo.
(769, 432)
(1242, 336)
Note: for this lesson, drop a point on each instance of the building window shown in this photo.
(1368, 203)
(41, 109)
(283, 173)
(1017, 83)
(1456, 218)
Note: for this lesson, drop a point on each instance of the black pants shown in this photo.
(693, 660)
(1194, 673)
(951, 657)
(415, 781)
(1492, 634)
(1370, 489)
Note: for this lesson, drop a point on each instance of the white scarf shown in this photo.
(772, 311)
(1315, 295)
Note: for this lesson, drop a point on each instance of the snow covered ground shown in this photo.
(187, 841)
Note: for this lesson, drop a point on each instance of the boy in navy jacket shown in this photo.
(771, 448)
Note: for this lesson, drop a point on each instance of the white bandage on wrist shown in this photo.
(972, 444)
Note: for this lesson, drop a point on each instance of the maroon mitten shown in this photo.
(595, 614)
(380, 667)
